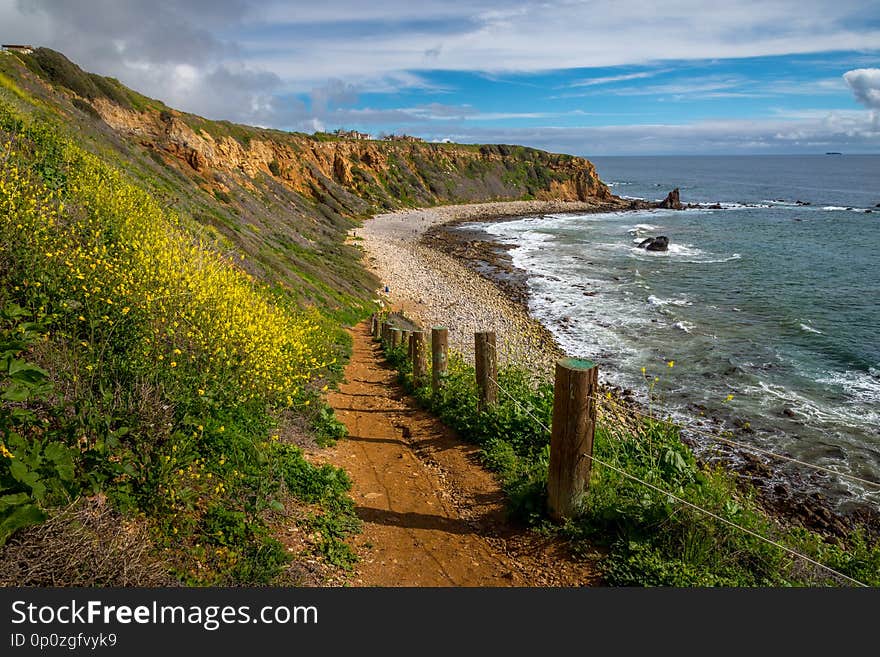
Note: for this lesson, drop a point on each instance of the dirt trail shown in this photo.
(432, 516)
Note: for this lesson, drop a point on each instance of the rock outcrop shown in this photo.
(672, 201)
(659, 243)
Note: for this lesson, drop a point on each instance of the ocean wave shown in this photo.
(852, 416)
(858, 384)
(657, 301)
(687, 327)
(810, 329)
(840, 208)
(740, 206)
(674, 250)
(714, 261)
(639, 227)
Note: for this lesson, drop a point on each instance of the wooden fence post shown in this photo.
(487, 368)
(395, 337)
(404, 340)
(439, 356)
(419, 357)
(571, 436)
(386, 332)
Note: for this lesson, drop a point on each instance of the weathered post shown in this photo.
(373, 324)
(571, 436)
(395, 337)
(486, 363)
(386, 332)
(419, 357)
(439, 356)
(404, 340)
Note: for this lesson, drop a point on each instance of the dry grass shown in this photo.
(85, 544)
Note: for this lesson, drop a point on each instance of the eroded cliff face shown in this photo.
(285, 201)
(382, 174)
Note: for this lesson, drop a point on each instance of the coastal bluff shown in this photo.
(385, 174)
(286, 200)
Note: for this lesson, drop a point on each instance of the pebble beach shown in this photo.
(435, 289)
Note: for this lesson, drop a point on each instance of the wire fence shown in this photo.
(628, 408)
(681, 500)
(632, 409)
(458, 341)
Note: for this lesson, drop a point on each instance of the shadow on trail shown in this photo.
(411, 520)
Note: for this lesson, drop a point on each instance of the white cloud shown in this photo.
(817, 130)
(865, 85)
(308, 43)
(610, 79)
(234, 58)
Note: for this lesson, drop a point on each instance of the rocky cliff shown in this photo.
(286, 200)
(383, 174)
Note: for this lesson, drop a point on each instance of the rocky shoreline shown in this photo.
(440, 274)
(436, 288)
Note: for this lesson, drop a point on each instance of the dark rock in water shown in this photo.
(799, 202)
(877, 206)
(868, 211)
(714, 206)
(787, 412)
(672, 201)
(659, 243)
(798, 219)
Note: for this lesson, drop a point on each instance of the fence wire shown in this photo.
(680, 500)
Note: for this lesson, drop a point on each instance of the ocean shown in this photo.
(768, 309)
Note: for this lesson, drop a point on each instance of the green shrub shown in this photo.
(650, 539)
(85, 107)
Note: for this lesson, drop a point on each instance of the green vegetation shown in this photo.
(140, 365)
(55, 68)
(650, 538)
(167, 330)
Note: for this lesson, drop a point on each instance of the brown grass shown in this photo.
(85, 544)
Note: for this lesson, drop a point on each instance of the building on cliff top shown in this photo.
(351, 134)
(409, 138)
(12, 47)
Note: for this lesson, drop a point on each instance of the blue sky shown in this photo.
(599, 77)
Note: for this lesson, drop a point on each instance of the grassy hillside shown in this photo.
(173, 298)
(285, 199)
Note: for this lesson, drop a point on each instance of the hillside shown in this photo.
(174, 297)
(286, 199)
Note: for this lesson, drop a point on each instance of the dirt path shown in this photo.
(432, 516)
